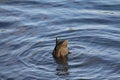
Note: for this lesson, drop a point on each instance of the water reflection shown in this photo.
(62, 66)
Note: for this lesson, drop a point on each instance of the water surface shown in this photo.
(27, 37)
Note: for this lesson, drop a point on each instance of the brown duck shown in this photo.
(61, 51)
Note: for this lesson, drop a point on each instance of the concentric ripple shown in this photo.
(27, 38)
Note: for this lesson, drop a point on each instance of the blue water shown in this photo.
(27, 38)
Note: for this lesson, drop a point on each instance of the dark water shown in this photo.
(27, 37)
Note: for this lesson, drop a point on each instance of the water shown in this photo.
(27, 37)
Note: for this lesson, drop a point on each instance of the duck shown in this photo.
(60, 52)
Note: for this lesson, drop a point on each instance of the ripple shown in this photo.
(5, 24)
(88, 21)
(6, 30)
(27, 38)
(108, 7)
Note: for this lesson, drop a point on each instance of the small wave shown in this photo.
(27, 38)
(107, 7)
(87, 21)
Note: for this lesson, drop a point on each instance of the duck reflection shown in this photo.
(62, 67)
